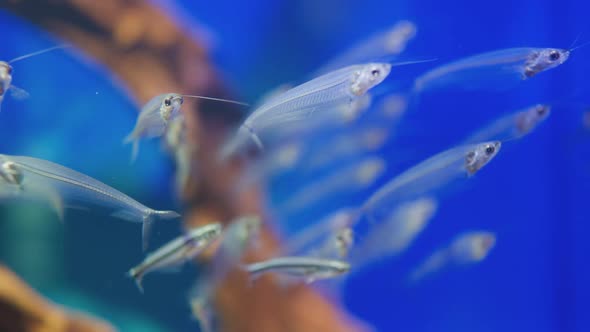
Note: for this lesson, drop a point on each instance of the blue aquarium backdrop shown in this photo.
(534, 195)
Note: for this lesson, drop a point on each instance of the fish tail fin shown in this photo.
(137, 277)
(150, 219)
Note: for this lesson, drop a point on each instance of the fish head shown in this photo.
(5, 76)
(481, 244)
(250, 227)
(545, 59)
(369, 170)
(480, 155)
(204, 235)
(341, 267)
(170, 106)
(529, 119)
(368, 76)
(10, 173)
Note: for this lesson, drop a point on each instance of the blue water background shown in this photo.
(534, 194)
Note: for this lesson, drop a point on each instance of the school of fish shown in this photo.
(330, 130)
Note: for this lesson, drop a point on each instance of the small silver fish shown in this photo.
(177, 251)
(520, 63)
(467, 248)
(512, 126)
(429, 175)
(307, 268)
(396, 232)
(6, 74)
(65, 184)
(153, 119)
(155, 115)
(316, 98)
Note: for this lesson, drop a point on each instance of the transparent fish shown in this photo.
(356, 176)
(345, 145)
(73, 187)
(512, 126)
(240, 235)
(388, 43)
(237, 238)
(177, 251)
(396, 232)
(308, 269)
(181, 150)
(202, 312)
(6, 74)
(429, 175)
(153, 119)
(467, 248)
(330, 237)
(495, 69)
(37, 193)
(155, 116)
(315, 98)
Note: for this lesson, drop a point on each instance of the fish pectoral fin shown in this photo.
(57, 204)
(18, 93)
(138, 278)
(145, 232)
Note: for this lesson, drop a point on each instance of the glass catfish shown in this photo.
(317, 98)
(466, 248)
(156, 114)
(495, 69)
(72, 187)
(177, 251)
(6, 74)
(430, 175)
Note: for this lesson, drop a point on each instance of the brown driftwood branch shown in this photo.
(21, 309)
(151, 52)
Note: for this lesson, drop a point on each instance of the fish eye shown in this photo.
(375, 72)
(541, 110)
(490, 149)
(167, 101)
(554, 56)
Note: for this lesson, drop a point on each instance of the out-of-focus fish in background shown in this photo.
(467, 248)
(306, 269)
(330, 237)
(512, 126)
(237, 238)
(180, 149)
(351, 178)
(36, 176)
(385, 44)
(396, 232)
(176, 252)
